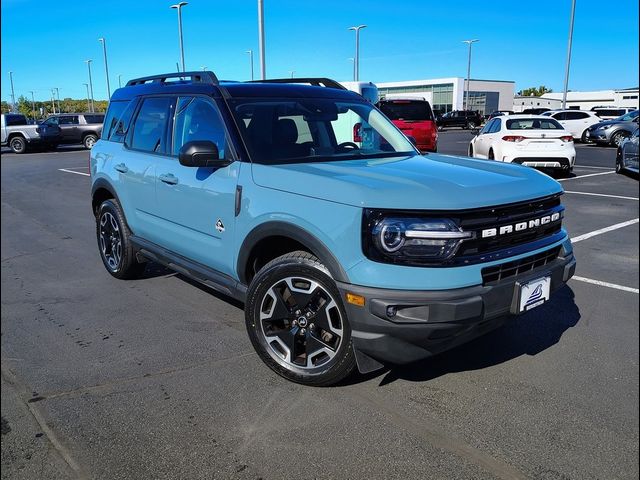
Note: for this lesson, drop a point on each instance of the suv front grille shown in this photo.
(510, 269)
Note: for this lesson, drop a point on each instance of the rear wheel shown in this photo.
(491, 156)
(89, 141)
(471, 151)
(18, 144)
(619, 167)
(114, 242)
(297, 323)
(583, 137)
(618, 137)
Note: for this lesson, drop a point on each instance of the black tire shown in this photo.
(471, 151)
(18, 144)
(491, 155)
(618, 137)
(583, 137)
(440, 128)
(619, 168)
(114, 242)
(273, 307)
(89, 140)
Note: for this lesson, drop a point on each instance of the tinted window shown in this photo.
(94, 118)
(150, 125)
(497, 125)
(68, 120)
(407, 110)
(52, 121)
(487, 127)
(198, 119)
(117, 121)
(628, 117)
(13, 120)
(560, 116)
(533, 124)
(576, 115)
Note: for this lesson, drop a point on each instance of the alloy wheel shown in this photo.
(110, 241)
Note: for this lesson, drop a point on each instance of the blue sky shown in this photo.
(45, 43)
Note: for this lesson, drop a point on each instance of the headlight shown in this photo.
(411, 240)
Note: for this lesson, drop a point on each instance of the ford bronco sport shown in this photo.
(346, 254)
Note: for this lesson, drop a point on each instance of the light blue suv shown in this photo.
(305, 202)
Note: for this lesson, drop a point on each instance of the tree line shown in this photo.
(44, 109)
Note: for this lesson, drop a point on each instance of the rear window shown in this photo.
(13, 120)
(407, 110)
(533, 124)
(94, 118)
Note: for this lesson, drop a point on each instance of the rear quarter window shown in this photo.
(94, 118)
(117, 120)
(15, 120)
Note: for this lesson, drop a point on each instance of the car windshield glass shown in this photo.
(407, 110)
(628, 117)
(533, 124)
(316, 130)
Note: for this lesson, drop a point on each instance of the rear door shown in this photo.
(196, 206)
(69, 125)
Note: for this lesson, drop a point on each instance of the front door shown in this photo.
(196, 205)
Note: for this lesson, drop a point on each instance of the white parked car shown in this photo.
(575, 121)
(535, 141)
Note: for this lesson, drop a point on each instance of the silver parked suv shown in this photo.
(613, 132)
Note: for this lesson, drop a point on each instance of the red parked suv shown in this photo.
(415, 118)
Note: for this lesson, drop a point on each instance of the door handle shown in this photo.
(169, 178)
(122, 168)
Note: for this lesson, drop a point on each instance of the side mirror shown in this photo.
(201, 153)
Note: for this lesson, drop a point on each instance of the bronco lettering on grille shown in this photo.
(519, 227)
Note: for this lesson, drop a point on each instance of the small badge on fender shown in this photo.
(220, 226)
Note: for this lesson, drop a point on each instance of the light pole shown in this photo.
(13, 94)
(353, 66)
(88, 105)
(178, 6)
(120, 81)
(33, 105)
(53, 102)
(106, 66)
(88, 62)
(466, 101)
(356, 62)
(250, 52)
(263, 67)
(566, 71)
(58, 95)
(292, 73)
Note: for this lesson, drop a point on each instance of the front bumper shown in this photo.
(425, 323)
(597, 136)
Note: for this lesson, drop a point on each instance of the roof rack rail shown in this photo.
(315, 81)
(195, 77)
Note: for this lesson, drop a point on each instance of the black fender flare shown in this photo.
(300, 235)
(102, 183)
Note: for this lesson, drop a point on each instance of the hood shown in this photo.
(604, 123)
(433, 182)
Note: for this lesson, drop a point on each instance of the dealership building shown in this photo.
(624, 97)
(446, 94)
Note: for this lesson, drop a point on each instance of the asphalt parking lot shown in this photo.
(156, 378)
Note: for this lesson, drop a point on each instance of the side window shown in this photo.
(150, 126)
(576, 115)
(497, 125)
(560, 116)
(94, 118)
(51, 121)
(69, 120)
(117, 121)
(487, 128)
(198, 119)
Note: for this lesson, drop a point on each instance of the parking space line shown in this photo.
(594, 168)
(606, 284)
(602, 195)
(580, 238)
(585, 176)
(71, 171)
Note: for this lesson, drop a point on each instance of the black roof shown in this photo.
(232, 89)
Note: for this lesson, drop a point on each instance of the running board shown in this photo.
(196, 271)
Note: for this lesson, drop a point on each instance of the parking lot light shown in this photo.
(250, 52)
(106, 66)
(120, 80)
(88, 104)
(58, 95)
(33, 104)
(88, 62)
(356, 68)
(566, 71)
(466, 100)
(178, 6)
(13, 94)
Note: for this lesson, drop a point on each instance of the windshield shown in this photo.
(414, 110)
(316, 130)
(533, 124)
(628, 117)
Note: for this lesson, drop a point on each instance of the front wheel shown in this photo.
(618, 138)
(297, 323)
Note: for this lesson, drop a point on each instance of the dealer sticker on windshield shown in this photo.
(534, 293)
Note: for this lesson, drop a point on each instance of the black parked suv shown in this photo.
(460, 118)
(84, 128)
